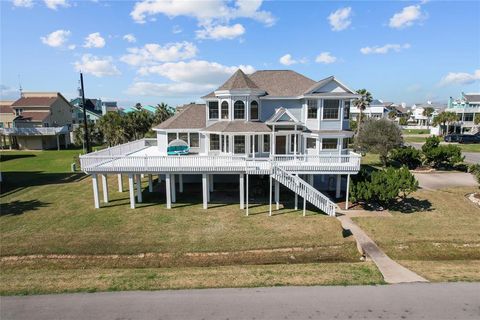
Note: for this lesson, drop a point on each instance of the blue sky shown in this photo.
(175, 51)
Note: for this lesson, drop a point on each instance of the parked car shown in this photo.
(453, 137)
(469, 138)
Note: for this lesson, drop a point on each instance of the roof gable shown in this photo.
(282, 115)
(238, 80)
(329, 85)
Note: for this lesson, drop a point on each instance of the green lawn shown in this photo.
(45, 209)
(416, 131)
(443, 228)
(464, 147)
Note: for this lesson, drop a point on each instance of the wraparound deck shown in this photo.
(143, 156)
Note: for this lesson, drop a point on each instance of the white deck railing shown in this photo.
(34, 131)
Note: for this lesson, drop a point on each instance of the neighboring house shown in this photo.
(417, 116)
(95, 108)
(377, 109)
(6, 114)
(42, 121)
(273, 124)
(466, 108)
(150, 109)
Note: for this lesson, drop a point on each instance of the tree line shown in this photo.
(114, 128)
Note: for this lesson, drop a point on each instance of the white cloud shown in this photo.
(99, 67)
(203, 11)
(94, 40)
(287, 60)
(56, 39)
(221, 32)
(130, 38)
(340, 19)
(195, 71)
(153, 53)
(176, 29)
(23, 3)
(325, 57)
(407, 17)
(54, 4)
(462, 78)
(168, 89)
(384, 49)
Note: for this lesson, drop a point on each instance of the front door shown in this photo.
(281, 144)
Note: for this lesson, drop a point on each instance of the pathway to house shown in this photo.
(392, 271)
(407, 301)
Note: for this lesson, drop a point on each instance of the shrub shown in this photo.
(475, 170)
(443, 156)
(407, 156)
(380, 136)
(403, 121)
(384, 186)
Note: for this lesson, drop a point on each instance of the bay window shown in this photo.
(254, 110)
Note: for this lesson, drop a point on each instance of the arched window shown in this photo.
(224, 110)
(254, 110)
(239, 110)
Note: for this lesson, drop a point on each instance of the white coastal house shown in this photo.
(466, 108)
(278, 124)
(377, 110)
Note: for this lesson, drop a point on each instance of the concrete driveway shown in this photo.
(436, 301)
(443, 180)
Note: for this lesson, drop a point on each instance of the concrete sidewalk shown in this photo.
(392, 272)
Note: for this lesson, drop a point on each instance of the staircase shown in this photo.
(475, 129)
(304, 190)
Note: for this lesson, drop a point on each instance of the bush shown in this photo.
(443, 156)
(403, 121)
(475, 170)
(384, 187)
(407, 156)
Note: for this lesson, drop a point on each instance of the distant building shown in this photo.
(417, 113)
(466, 108)
(138, 107)
(42, 121)
(377, 109)
(95, 108)
(6, 114)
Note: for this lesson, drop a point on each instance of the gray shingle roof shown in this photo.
(282, 83)
(472, 97)
(238, 80)
(192, 117)
(238, 126)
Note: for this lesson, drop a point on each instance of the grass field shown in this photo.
(45, 209)
(464, 147)
(443, 229)
(416, 131)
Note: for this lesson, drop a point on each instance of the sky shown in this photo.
(175, 51)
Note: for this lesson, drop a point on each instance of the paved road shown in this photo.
(470, 157)
(440, 180)
(405, 301)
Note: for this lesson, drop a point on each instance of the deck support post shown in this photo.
(304, 206)
(168, 191)
(270, 197)
(277, 194)
(96, 201)
(242, 191)
(120, 182)
(205, 190)
(180, 183)
(296, 196)
(139, 189)
(105, 188)
(131, 190)
(310, 179)
(246, 195)
(347, 191)
(174, 189)
(210, 182)
(58, 141)
(159, 178)
(150, 183)
(338, 187)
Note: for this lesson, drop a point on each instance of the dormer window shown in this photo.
(224, 110)
(254, 110)
(213, 110)
(238, 110)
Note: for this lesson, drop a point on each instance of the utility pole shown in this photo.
(85, 124)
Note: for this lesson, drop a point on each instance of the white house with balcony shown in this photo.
(466, 108)
(273, 123)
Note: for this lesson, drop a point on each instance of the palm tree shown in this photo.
(362, 103)
(137, 124)
(163, 112)
(111, 125)
(445, 118)
(428, 112)
(392, 114)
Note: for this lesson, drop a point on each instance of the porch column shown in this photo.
(159, 178)
(246, 195)
(347, 191)
(180, 183)
(270, 198)
(58, 141)
(295, 143)
(96, 201)
(120, 182)
(174, 191)
(205, 190)
(150, 183)
(209, 178)
(139, 188)
(310, 179)
(105, 188)
(272, 143)
(339, 183)
(168, 190)
(277, 194)
(242, 191)
(131, 190)
(210, 182)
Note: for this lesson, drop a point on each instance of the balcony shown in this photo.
(143, 156)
